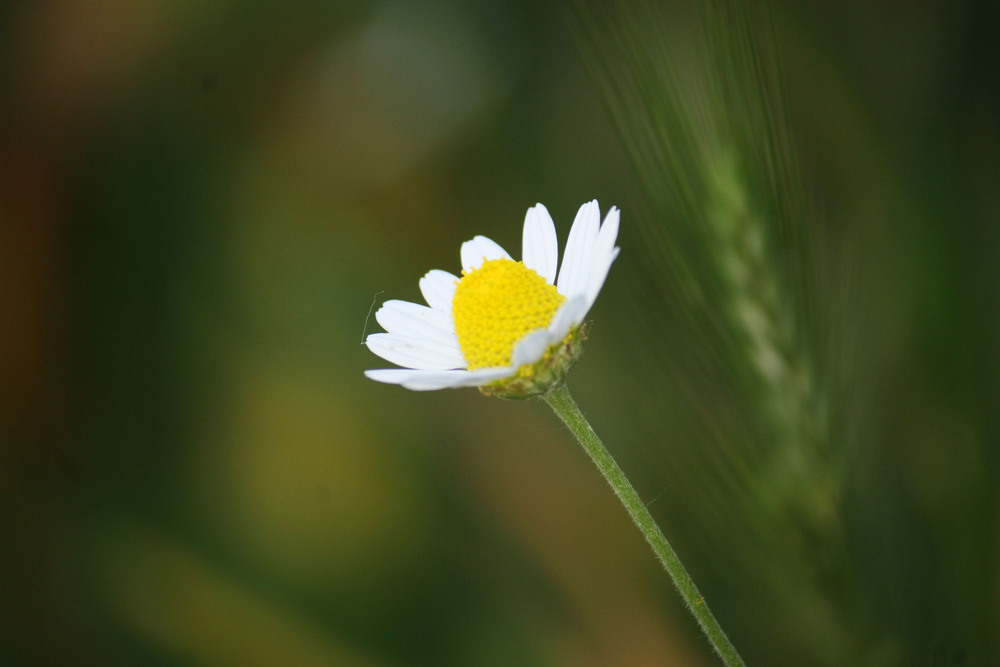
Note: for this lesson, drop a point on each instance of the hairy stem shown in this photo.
(566, 408)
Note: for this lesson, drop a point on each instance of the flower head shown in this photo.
(511, 328)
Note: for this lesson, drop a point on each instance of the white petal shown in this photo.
(438, 288)
(482, 376)
(417, 380)
(579, 248)
(412, 319)
(414, 352)
(604, 255)
(568, 316)
(598, 274)
(539, 246)
(427, 380)
(608, 234)
(531, 348)
(478, 250)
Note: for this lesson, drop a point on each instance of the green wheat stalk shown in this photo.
(735, 275)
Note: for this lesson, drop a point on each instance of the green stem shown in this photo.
(565, 407)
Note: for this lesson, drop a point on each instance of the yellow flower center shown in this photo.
(496, 305)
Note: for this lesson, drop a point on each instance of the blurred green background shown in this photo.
(200, 202)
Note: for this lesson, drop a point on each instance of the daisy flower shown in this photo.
(514, 329)
(511, 328)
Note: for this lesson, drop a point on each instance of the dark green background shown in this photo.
(198, 204)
